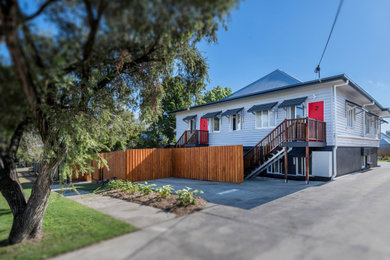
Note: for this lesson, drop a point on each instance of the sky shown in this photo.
(264, 35)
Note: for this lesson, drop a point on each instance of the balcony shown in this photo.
(193, 138)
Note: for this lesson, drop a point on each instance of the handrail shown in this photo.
(196, 137)
(290, 130)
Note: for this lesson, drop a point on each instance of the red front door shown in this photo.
(203, 124)
(316, 110)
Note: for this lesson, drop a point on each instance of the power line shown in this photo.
(318, 68)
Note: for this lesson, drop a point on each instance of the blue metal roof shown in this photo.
(300, 84)
(212, 114)
(275, 79)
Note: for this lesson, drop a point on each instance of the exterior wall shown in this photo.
(355, 136)
(249, 135)
(351, 159)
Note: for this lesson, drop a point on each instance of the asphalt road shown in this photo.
(348, 218)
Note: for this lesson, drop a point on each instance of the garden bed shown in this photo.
(169, 203)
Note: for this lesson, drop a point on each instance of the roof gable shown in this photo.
(273, 80)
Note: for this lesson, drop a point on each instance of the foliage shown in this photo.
(164, 191)
(145, 189)
(187, 197)
(30, 147)
(129, 187)
(67, 226)
(115, 184)
(214, 94)
(80, 84)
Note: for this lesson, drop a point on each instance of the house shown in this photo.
(321, 128)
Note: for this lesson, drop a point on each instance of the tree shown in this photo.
(214, 94)
(176, 96)
(80, 82)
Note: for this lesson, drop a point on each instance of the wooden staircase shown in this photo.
(193, 138)
(270, 148)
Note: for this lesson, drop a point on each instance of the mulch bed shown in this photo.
(153, 199)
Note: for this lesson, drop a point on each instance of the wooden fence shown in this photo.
(217, 163)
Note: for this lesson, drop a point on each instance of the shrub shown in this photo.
(129, 187)
(145, 188)
(115, 184)
(164, 191)
(186, 196)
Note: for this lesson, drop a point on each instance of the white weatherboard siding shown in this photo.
(249, 135)
(352, 136)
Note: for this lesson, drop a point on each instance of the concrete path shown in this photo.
(344, 219)
(135, 214)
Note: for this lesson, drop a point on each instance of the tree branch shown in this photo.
(16, 137)
(39, 11)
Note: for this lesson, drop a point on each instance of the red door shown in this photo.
(316, 110)
(203, 136)
(203, 124)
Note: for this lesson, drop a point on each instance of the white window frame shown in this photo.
(268, 121)
(211, 125)
(239, 122)
(190, 122)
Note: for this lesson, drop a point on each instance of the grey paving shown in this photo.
(344, 219)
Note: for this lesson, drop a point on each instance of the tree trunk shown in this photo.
(28, 224)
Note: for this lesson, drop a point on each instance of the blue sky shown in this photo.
(290, 35)
(264, 35)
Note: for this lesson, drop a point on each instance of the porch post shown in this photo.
(285, 164)
(307, 164)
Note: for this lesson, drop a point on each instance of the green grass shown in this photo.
(67, 226)
(90, 187)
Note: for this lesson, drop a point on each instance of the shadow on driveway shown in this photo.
(247, 195)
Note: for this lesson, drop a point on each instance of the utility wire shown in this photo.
(318, 69)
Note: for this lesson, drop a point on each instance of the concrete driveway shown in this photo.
(348, 218)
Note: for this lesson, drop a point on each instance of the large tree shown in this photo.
(81, 67)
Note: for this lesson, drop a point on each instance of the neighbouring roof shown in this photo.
(293, 102)
(275, 79)
(262, 107)
(189, 117)
(385, 139)
(212, 114)
(232, 111)
(262, 89)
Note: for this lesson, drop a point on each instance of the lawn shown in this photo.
(67, 226)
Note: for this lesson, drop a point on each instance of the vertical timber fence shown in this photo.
(217, 163)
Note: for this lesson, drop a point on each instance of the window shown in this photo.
(294, 112)
(214, 124)
(265, 118)
(235, 122)
(350, 115)
(217, 124)
(192, 124)
(367, 123)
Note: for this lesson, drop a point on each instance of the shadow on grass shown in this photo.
(5, 212)
(4, 243)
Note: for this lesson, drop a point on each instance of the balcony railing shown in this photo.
(193, 137)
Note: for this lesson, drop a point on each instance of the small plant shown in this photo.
(164, 191)
(145, 188)
(129, 187)
(187, 197)
(115, 184)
